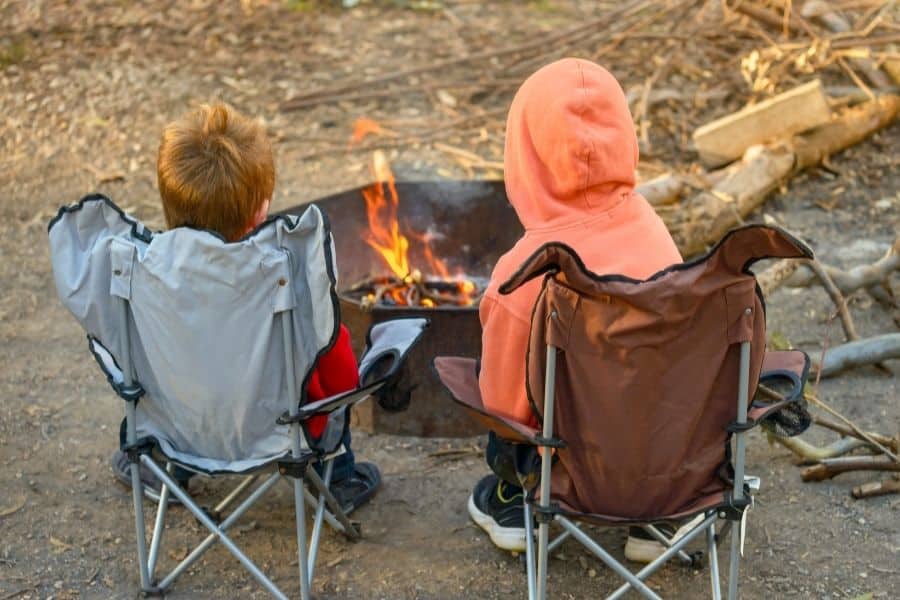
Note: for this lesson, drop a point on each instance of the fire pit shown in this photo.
(463, 225)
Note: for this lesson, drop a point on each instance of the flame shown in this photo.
(384, 236)
(384, 229)
(364, 127)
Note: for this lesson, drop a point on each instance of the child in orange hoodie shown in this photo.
(569, 164)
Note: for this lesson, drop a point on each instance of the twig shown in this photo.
(859, 82)
(835, 294)
(859, 432)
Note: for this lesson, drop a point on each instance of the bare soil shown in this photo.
(85, 89)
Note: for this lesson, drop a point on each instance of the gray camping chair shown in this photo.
(642, 388)
(211, 346)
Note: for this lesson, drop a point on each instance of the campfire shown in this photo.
(429, 285)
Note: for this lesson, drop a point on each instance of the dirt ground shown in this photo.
(85, 89)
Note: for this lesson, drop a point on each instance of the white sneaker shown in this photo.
(642, 548)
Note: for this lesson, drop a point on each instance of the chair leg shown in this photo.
(713, 562)
(158, 528)
(336, 510)
(317, 522)
(529, 550)
(137, 490)
(203, 546)
(598, 551)
(299, 505)
(204, 519)
(734, 566)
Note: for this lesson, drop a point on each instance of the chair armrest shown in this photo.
(387, 344)
(460, 377)
(332, 403)
(785, 413)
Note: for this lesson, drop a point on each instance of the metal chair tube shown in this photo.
(740, 450)
(137, 488)
(296, 449)
(546, 458)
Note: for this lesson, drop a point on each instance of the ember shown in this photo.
(405, 286)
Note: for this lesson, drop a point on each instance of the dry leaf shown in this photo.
(446, 98)
(59, 545)
(14, 508)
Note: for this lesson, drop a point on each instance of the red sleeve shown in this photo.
(335, 372)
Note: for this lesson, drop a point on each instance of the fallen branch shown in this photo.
(831, 467)
(810, 453)
(892, 443)
(794, 274)
(860, 353)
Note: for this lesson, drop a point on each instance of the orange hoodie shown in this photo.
(569, 167)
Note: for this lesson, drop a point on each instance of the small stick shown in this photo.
(830, 467)
(835, 294)
(876, 488)
(859, 432)
(844, 430)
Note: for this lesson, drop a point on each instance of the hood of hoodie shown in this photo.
(571, 150)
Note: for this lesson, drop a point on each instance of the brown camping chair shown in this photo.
(640, 387)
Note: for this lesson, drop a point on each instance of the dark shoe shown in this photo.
(497, 507)
(644, 548)
(354, 491)
(121, 468)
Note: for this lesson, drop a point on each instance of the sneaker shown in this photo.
(354, 491)
(121, 468)
(641, 547)
(497, 507)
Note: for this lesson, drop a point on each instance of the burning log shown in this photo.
(706, 217)
(414, 290)
(405, 285)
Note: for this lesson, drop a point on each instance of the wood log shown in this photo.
(665, 189)
(796, 110)
(876, 488)
(859, 353)
(829, 467)
(703, 219)
(825, 13)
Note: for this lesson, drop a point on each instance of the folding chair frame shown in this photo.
(295, 466)
(545, 514)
